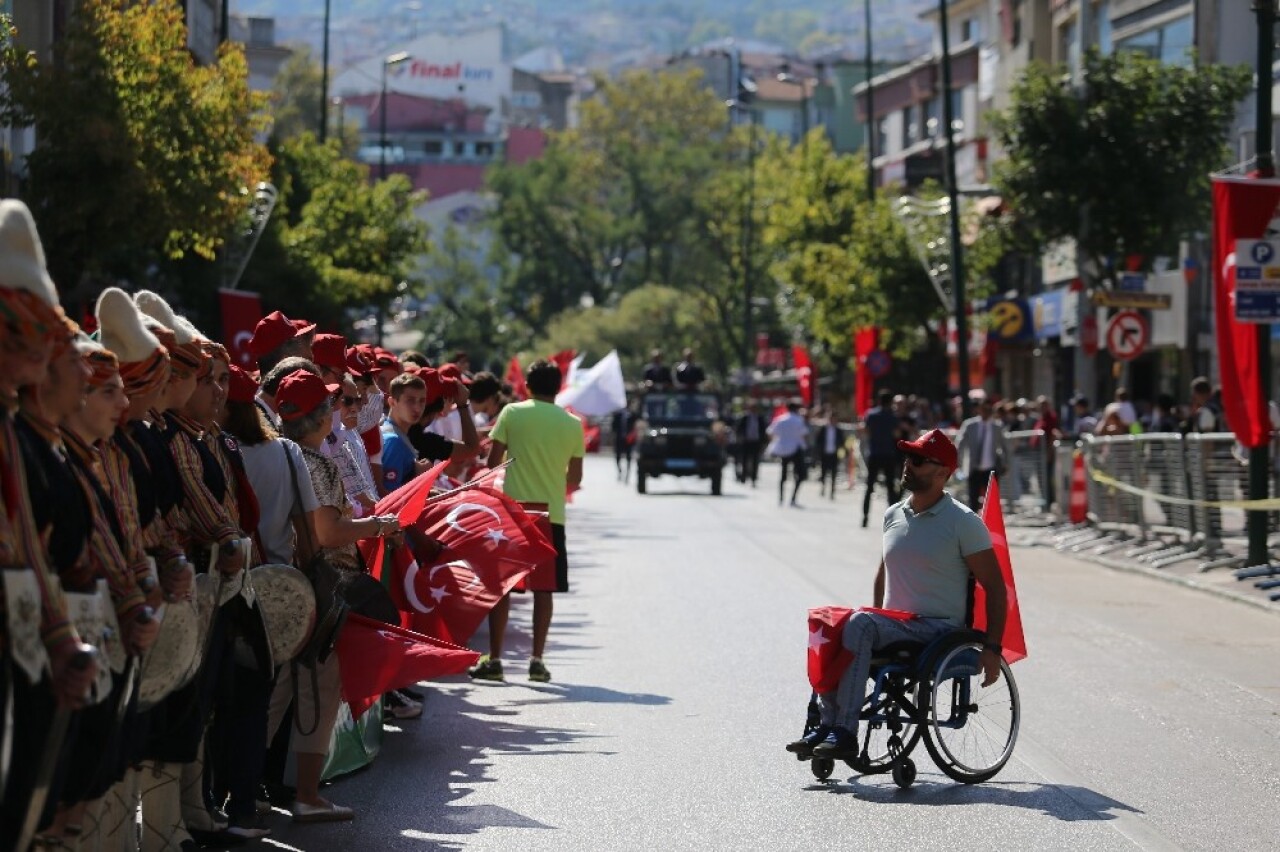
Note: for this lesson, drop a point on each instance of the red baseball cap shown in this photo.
(273, 331)
(385, 359)
(454, 372)
(934, 446)
(439, 386)
(300, 393)
(330, 350)
(359, 361)
(241, 387)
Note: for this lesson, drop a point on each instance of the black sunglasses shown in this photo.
(917, 460)
(350, 400)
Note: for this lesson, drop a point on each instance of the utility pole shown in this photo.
(1082, 373)
(868, 67)
(324, 78)
(1260, 456)
(953, 194)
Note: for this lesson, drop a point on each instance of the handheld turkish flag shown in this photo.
(486, 545)
(515, 378)
(375, 657)
(564, 360)
(1013, 642)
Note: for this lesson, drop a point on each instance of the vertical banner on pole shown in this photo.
(865, 341)
(1243, 207)
(806, 376)
(241, 311)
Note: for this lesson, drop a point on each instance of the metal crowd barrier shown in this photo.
(1028, 487)
(1199, 467)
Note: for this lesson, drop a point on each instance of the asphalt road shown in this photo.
(1151, 713)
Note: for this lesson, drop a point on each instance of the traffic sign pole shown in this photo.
(1260, 457)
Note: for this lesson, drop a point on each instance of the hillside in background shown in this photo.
(603, 34)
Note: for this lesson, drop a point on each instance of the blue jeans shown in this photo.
(864, 633)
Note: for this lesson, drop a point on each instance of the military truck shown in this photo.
(680, 433)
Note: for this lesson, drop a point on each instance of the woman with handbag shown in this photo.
(305, 405)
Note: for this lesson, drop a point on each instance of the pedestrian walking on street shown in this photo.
(828, 440)
(881, 430)
(983, 446)
(546, 446)
(789, 433)
(751, 428)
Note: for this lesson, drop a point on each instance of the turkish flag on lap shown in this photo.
(828, 658)
(375, 657)
(1013, 642)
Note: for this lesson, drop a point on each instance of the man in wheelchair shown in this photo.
(933, 544)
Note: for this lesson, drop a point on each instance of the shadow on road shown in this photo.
(1065, 802)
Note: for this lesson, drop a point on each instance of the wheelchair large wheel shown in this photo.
(971, 729)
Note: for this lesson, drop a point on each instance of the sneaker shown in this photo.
(803, 747)
(487, 669)
(327, 812)
(403, 709)
(840, 744)
(247, 828)
(405, 698)
(538, 672)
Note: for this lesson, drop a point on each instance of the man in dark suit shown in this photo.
(750, 428)
(624, 439)
(828, 440)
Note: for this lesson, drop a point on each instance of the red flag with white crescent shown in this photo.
(828, 657)
(240, 313)
(375, 657)
(485, 546)
(1013, 642)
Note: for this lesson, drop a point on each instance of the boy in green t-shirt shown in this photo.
(546, 446)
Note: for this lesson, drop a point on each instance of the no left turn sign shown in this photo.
(1127, 335)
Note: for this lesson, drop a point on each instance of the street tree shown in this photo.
(605, 209)
(141, 155)
(1135, 153)
(336, 240)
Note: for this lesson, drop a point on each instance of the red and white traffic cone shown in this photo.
(1078, 503)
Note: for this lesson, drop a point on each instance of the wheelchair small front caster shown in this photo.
(822, 767)
(904, 773)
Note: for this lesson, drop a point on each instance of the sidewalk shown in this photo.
(1120, 556)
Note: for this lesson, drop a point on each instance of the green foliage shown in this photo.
(141, 155)
(602, 210)
(841, 261)
(335, 239)
(1137, 151)
(647, 317)
(465, 289)
(295, 96)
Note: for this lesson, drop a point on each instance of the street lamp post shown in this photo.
(393, 59)
(957, 250)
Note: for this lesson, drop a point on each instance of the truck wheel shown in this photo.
(640, 482)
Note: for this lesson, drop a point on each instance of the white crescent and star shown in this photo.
(437, 593)
(452, 519)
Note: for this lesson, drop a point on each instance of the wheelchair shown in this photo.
(932, 692)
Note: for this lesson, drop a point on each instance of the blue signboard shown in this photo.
(1047, 314)
(1010, 320)
(1132, 282)
(1257, 288)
